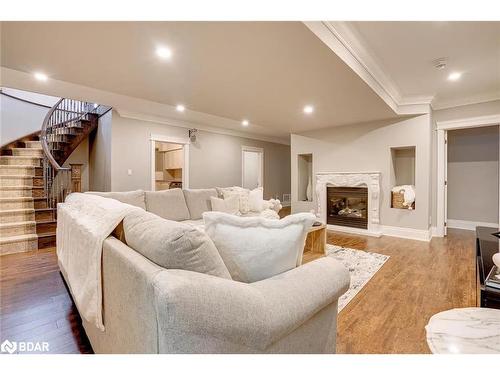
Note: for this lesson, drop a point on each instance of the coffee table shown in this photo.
(315, 246)
(471, 330)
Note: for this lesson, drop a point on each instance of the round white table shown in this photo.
(471, 330)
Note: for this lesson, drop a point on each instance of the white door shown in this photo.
(252, 167)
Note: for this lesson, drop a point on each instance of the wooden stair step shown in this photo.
(22, 214)
(27, 152)
(21, 170)
(17, 228)
(46, 240)
(12, 203)
(18, 244)
(46, 226)
(20, 160)
(32, 144)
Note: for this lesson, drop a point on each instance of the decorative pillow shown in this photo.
(254, 248)
(256, 199)
(172, 245)
(241, 193)
(230, 205)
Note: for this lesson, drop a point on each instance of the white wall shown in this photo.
(214, 159)
(366, 147)
(473, 174)
(18, 119)
(100, 148)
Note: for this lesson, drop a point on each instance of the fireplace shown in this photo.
(347, 206)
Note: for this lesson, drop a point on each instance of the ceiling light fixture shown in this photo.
(164, 52)
(308, 109)
(245, 123)
(40, 76)
(455, 76)
(180, 108)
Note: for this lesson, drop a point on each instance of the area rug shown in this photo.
(362, 265)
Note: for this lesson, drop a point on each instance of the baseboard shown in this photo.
(363, 232)
(409, 233)
(468, 225)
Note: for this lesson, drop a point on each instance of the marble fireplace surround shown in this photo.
(370, 180)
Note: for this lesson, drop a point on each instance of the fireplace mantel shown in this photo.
(370, 180)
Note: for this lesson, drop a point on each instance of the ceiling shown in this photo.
(265, 72)
(405, 51)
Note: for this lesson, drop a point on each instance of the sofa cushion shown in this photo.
(198, 201)
(230, 205)
(134, 198)
(241, 193)
(168, 204)
(254, 248)
(173, 245)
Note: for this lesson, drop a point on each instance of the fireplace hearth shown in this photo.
(347, 206)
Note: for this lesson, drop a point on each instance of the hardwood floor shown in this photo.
(387, 316)
(35, 304)
(420, 279)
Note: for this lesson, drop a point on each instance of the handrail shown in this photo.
(43, 138)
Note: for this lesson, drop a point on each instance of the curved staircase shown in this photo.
(33, 180)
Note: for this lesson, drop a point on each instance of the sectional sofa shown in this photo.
(148, 308)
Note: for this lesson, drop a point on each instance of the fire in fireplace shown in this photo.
(347, 206)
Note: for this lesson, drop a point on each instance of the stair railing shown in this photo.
(61, 120)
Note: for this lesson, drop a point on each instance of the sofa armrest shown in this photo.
(213, 310)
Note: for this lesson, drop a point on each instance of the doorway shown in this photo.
(252, 167)
(169, 167)
(472, 177)
(442, 129)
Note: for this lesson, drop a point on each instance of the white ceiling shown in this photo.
(263, 71)
(405, 50)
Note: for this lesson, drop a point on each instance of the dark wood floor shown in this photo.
(387, 316)
(35, 304)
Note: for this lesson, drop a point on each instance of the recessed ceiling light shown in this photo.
(40, 76)
(164, 52)
(308, 109)
(245, 123)
(455, 76)
(180, 108)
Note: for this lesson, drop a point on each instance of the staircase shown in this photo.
(26, 223)
(32, 179)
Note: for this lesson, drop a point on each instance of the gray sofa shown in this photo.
(148, 308)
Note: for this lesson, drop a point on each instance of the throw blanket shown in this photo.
(84, 221)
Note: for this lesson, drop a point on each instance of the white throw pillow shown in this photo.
(230, 205)
(241, 193)
(256, 199)
(254, 248)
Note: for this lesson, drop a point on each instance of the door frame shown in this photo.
(442, 128)
(169, 139)
(252, 149)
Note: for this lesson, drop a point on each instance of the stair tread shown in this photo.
(21, 156)
(45, 209)
(15, 199)
(6, 166)
(15, 175)
(17, 210)
(52, 221)
(48, 234)
(18, 238)
(20, 187)
(17, 223)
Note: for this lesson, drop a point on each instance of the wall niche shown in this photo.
(403, 177)
(305, 183)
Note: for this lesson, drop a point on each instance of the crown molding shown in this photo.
(469, 122)
(476, 99)
(346, 43)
